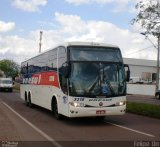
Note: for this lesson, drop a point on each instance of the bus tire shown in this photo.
(157, 95)
(26, 99)
(55, 109)
(29, 100)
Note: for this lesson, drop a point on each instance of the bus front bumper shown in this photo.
(98, 111)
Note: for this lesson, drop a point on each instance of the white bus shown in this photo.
(77, 79)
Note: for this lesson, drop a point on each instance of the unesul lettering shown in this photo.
(32, 80)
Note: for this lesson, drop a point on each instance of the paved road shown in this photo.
(143, 99)
(20, 123)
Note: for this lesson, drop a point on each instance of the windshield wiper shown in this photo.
(110, 86)
(93, 85)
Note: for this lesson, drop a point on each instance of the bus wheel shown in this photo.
(26, 99)
(29, 100)
(157, 95)
(55, 109)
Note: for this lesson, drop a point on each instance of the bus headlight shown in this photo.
(76, 104)
(121, 103)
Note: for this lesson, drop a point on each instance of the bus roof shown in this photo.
(88, 44)
(77, 43)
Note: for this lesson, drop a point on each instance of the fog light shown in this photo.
(76, 104)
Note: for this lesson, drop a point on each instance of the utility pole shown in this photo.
(157, 77)
(157, 34)
(40, 41)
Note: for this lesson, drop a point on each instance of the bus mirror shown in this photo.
(127, 72)
(128, 76)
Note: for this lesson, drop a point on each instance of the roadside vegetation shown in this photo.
(9, 68)
(148, 18)
(144, 109)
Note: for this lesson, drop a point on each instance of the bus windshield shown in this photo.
(104, 76)
(96, 79)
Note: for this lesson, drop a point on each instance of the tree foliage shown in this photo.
(148, 16)
(10, 68)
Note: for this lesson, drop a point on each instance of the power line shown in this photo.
(139, 50)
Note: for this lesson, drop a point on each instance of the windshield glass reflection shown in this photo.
(95, 54)
(96, 79)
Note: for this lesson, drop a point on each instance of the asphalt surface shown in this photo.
(143, 99)
(24, 126)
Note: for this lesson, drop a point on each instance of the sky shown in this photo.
(106, 21)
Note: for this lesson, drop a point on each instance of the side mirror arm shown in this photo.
(127, 72)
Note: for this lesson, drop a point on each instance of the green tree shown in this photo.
(10, 68)
(148, 16)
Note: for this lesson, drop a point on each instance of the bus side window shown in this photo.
(62, 58)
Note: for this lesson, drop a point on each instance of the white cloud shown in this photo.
(73, 28)
(80, 2)
(101, 31)
(29, 5)
(16, 48)
(26, 44)
(71, 24)
(6, 26)
(116, 5)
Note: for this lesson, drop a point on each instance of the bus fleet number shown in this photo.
(78, 99)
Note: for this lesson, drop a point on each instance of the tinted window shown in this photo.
(82, 53)
(62, 58)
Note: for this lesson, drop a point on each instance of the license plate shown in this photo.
(100, 111)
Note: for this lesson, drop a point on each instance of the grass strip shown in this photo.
(144, 109)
